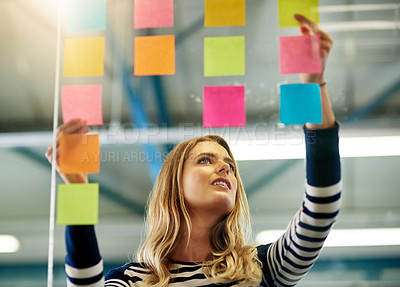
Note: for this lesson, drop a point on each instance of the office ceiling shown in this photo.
(363, 78)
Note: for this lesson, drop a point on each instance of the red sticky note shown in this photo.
(153, 13)
(224, 106)
(79, 153)
(300, 54)
(154, 55)
(82, 102)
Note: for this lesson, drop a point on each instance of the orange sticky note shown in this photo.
(84, 57)
(224, 13)
(154, 55)
(79, 153)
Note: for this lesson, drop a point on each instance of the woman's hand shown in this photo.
(326, 41)
(308, 27)
(71, 127)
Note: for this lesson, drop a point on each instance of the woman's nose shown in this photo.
(223, 167)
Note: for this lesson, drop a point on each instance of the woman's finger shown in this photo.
(73, 126)
(325, 36)
(69, 124)
(48, 154)
(326, 45)
(310, 25)
(304, 31)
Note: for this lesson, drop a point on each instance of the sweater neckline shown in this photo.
(185, 262)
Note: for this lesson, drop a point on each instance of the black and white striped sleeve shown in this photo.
(291, 257)
(83, 263)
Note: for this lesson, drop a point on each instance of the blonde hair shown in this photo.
(230, 259)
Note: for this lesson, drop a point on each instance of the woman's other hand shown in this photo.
(71, 127)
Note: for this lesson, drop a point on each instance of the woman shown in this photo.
(198, 219)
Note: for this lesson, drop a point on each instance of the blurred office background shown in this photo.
(363, 79)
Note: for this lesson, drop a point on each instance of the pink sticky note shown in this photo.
(153, 13)
(224, 106)
(300, 54)
(83, 102)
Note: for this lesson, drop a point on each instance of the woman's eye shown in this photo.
(204, 160)
(232, 167)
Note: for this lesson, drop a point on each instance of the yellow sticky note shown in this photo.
(287, 9)
(79, 153)
(224, 13)
(84, 57)
(78, 204)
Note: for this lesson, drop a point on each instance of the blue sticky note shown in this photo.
(86, 15)
(300, 104)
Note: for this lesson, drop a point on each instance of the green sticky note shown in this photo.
(78, 204)
(224, 56)
(287, 9)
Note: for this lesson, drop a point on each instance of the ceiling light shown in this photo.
(346, 237)
(295, 149)
(9, 244)
(360, 26)
(357, 8)
(370, 146)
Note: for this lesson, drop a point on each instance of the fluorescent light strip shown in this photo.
(360, 26)
(293, 149)
(370, 146)
(253, 147)
(346, 237)
(9, 244)
(357, 8)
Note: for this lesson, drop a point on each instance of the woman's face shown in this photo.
(209, 181)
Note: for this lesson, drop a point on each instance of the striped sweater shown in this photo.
(285, 262)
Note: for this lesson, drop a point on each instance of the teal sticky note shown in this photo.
(78, 204)
(83, 15)
(300, 104)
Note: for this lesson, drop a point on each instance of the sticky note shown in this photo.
(84, 57)
(78, 204)
(153, 13)
(79, 153)
(300, 104)
(154, 55)
(224, 56)
(287, 9)
(86, 15)
(224, 13)
(82, 102)
(300, 54)
(224, 106)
